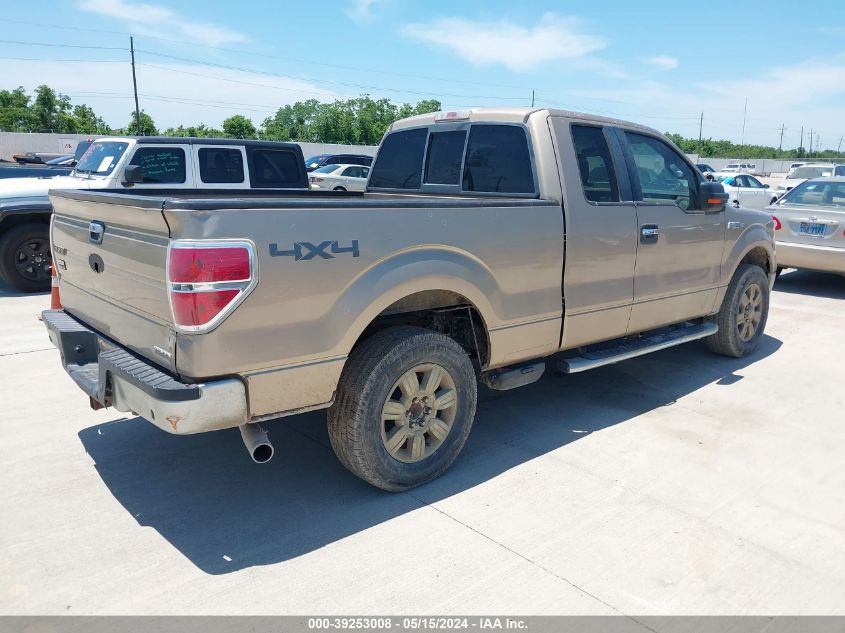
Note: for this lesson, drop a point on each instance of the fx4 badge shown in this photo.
(307, 250)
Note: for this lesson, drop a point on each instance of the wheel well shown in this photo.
(11, 221)
(758, 257)
(441, 311)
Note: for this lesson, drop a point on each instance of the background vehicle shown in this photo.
(706, 170)
(15, 170)
(319, 160)
(732, 169)
(749, 192)
(137, 164)
(340, 177)
(229, 309)
(810, 226)
(807, 172)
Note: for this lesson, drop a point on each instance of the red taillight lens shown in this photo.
(778, 225)
(207, 280)
(205, 265)
(198, 308)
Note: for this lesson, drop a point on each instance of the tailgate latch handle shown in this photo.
(95, 232)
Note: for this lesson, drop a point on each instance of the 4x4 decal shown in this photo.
(307, 250)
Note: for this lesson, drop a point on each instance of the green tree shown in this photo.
(15, 111)
(148, 126)
(238, 126)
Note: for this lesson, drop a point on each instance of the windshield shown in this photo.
(817, 193)
(326, 169)
(101, 158)
(314, 160)
(812, 172)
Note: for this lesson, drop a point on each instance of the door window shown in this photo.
(443, 160)
(740, 181)
(161, 165)
(663, 175)
(352, 172)
(598, 179)
(220, 165)
(754, 183)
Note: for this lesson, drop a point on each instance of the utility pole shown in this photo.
(700, 126)
(782, 127)
(839, 147)
(801, 144)
(744, 112)
(811, 142)
(135, 87)
(532, 98)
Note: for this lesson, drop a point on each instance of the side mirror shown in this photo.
(765, 186)
(712, 197)
(133, 174)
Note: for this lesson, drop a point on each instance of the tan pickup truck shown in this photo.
(489, 243)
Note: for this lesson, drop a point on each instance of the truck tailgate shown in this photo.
(111, 259)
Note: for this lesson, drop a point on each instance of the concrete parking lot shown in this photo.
(677, 483)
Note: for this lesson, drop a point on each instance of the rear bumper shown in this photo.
(811, 257)
(112, 376)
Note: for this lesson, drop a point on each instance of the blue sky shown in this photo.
(658, 63)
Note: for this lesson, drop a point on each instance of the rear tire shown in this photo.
(404, 407)
(25, 257)
(743, 315)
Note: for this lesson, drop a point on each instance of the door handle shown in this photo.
(649, 233)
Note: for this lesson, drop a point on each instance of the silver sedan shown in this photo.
(810, 226)
(339, 178)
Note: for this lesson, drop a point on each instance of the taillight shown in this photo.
(207, 280)
(777, 223)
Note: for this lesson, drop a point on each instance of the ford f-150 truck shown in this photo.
(489, 243)
(138, 164)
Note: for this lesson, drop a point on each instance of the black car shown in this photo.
(337, 159)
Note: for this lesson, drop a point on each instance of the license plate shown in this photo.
(812, 229)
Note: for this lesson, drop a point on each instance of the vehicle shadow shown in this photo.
(813, 284)
(6, 290)
(224, 513)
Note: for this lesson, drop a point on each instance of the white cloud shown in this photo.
(512, 45)
(151, 18)
(362, 10)
(172, 94)
(663, 62)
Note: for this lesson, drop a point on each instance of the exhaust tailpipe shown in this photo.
(256, 442)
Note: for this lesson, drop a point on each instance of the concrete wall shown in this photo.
(19, 142)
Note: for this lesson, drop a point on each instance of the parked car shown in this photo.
(32, 170)
(319, 160)
(126, 163)
(793, 167)
(732, 169)
(808, 172)
(747, 191)
(340, 177)
(810, 225)
(385, 308)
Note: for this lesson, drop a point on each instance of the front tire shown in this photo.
(404, 407)
(743, 315)
(25, 257)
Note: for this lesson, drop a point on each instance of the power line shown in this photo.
(43, 59)
(101, 48)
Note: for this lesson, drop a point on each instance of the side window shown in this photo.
(352, 172)
(753, 182)
(270, 168)
(839, 170)
(161, 165)
(663, 175)
(365, 171)
(399, 161)
(443, 160)
(598, 178)
(220, 165)
(497, 160)
(740, 181)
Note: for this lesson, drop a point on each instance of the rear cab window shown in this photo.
(484, 158)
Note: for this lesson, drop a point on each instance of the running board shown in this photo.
(513, 377)
(632, 348)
